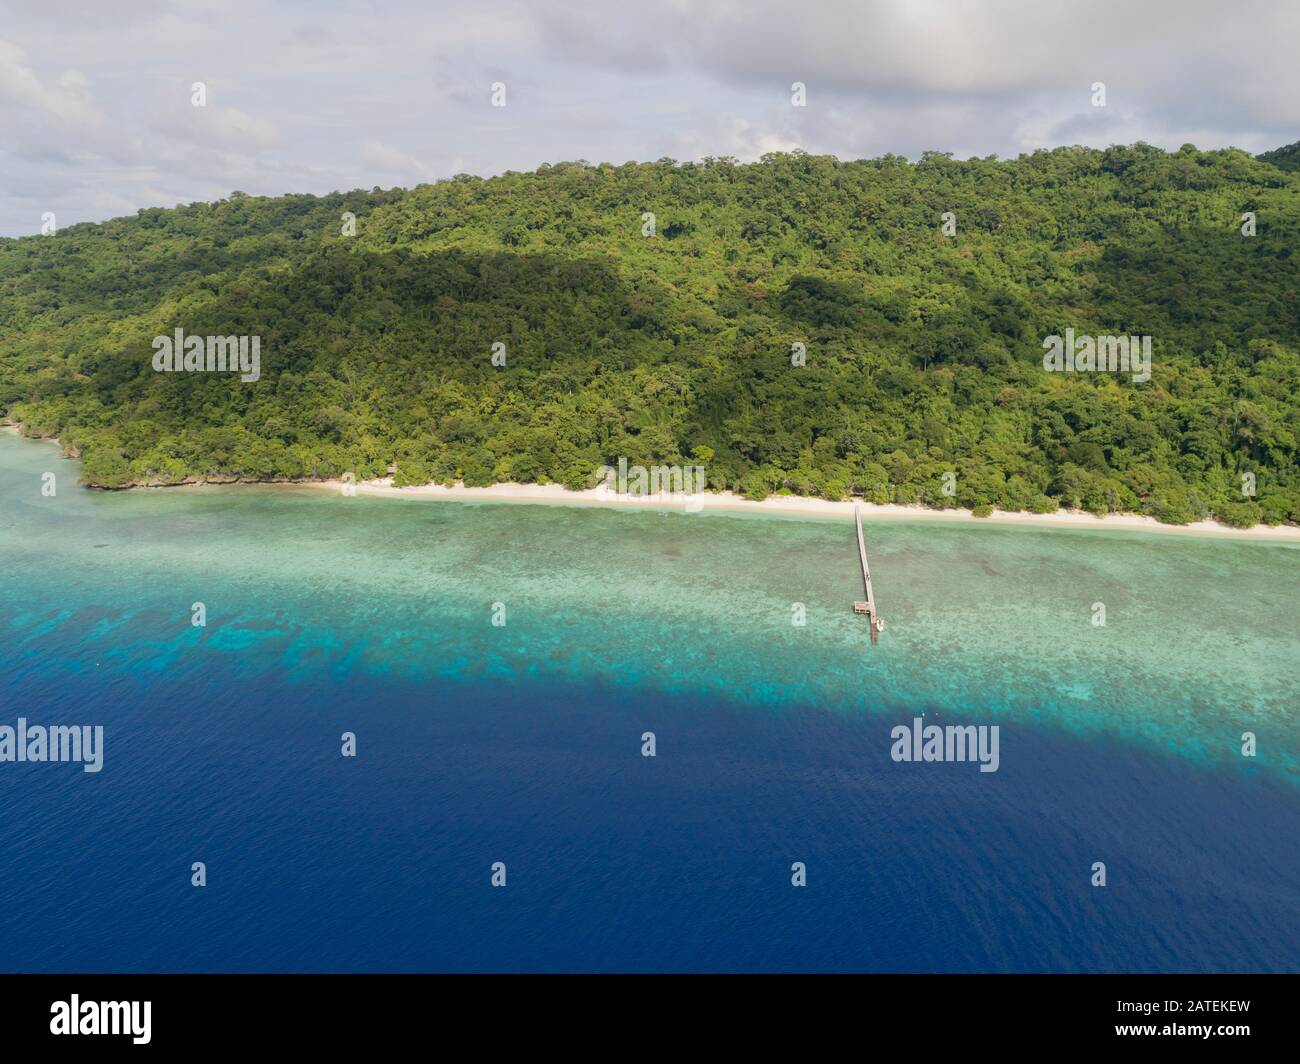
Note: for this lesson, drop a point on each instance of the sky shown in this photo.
(97, 116)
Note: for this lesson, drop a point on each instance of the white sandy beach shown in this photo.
(797, 506)
(790, 505)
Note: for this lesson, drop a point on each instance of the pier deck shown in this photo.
(869, 605)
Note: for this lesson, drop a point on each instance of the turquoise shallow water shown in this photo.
(522, 743)
(1201, 641)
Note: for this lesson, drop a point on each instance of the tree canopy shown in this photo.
(672, 342)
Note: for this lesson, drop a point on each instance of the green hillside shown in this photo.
(1287, 158)
(924, 351)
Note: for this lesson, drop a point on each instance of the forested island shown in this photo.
(799, 324)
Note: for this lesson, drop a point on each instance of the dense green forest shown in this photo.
(924, 350)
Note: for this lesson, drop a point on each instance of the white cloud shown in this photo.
(218, 127)
(64, 99)
(391, 161)
(95, 110)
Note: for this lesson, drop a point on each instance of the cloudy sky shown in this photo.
(96, 118)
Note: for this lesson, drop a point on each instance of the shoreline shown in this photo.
(796, 506)
(729, 502)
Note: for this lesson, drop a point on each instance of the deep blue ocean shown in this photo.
(223, 746)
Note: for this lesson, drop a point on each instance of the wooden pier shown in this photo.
(869, 606)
